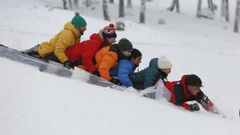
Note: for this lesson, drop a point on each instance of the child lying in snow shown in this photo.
(182, 91)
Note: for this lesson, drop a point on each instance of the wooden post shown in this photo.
(142, 11)
(70, 4)
(227, 10)
(199, 8)
(177, 6)
(64, 4)
(121, 8)
(236, 28)
(105, 10)
(129, 3)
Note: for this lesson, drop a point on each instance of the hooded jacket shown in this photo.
(83, 53)
(123, 70)
(57, 45)
(107, 58)
(149, 76)
(180, 95)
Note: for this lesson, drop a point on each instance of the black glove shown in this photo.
(96, 73)
(116, 81)
(194, 107)
(68, 65)
(163, 74)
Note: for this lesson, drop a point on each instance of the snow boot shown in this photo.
(32, 51)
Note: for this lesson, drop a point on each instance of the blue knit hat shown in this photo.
(78, 21)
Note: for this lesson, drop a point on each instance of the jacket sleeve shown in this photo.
(65, 40)
(108, 61)
(124, 70)
(87, 58)
(186, 106)
(206, 103)
(148, 79)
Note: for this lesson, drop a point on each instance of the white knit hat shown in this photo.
(164, 63)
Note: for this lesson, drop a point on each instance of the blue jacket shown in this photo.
(149, 76)
(123, 70)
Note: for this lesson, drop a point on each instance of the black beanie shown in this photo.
(125, 45)
(193, 80)
(135, 53)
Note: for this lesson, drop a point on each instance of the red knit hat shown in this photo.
(109, 31)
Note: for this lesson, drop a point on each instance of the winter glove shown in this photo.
(194, 107)
(68, 65)
(96, 73)
(206, 103)
(115, 81)
(163, 75)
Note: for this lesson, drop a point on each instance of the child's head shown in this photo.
(136, 56)
(125, 46)
(164, 64)
(193, 83)
(79, 23)
(109, 33)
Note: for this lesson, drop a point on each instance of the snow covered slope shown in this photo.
(37, 103)
(32, 102)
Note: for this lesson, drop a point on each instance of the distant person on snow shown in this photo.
(127, 66)
(108, 57)
(188, 89)
(69, 36)
(158, 68)
(82, 54)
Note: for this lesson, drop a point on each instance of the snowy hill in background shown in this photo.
(32, 102)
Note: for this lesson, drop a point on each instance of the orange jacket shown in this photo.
(105, 60)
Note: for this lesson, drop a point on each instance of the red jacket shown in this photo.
(180, 95)
(85, 52)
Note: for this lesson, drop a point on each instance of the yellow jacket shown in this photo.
(57, 45)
